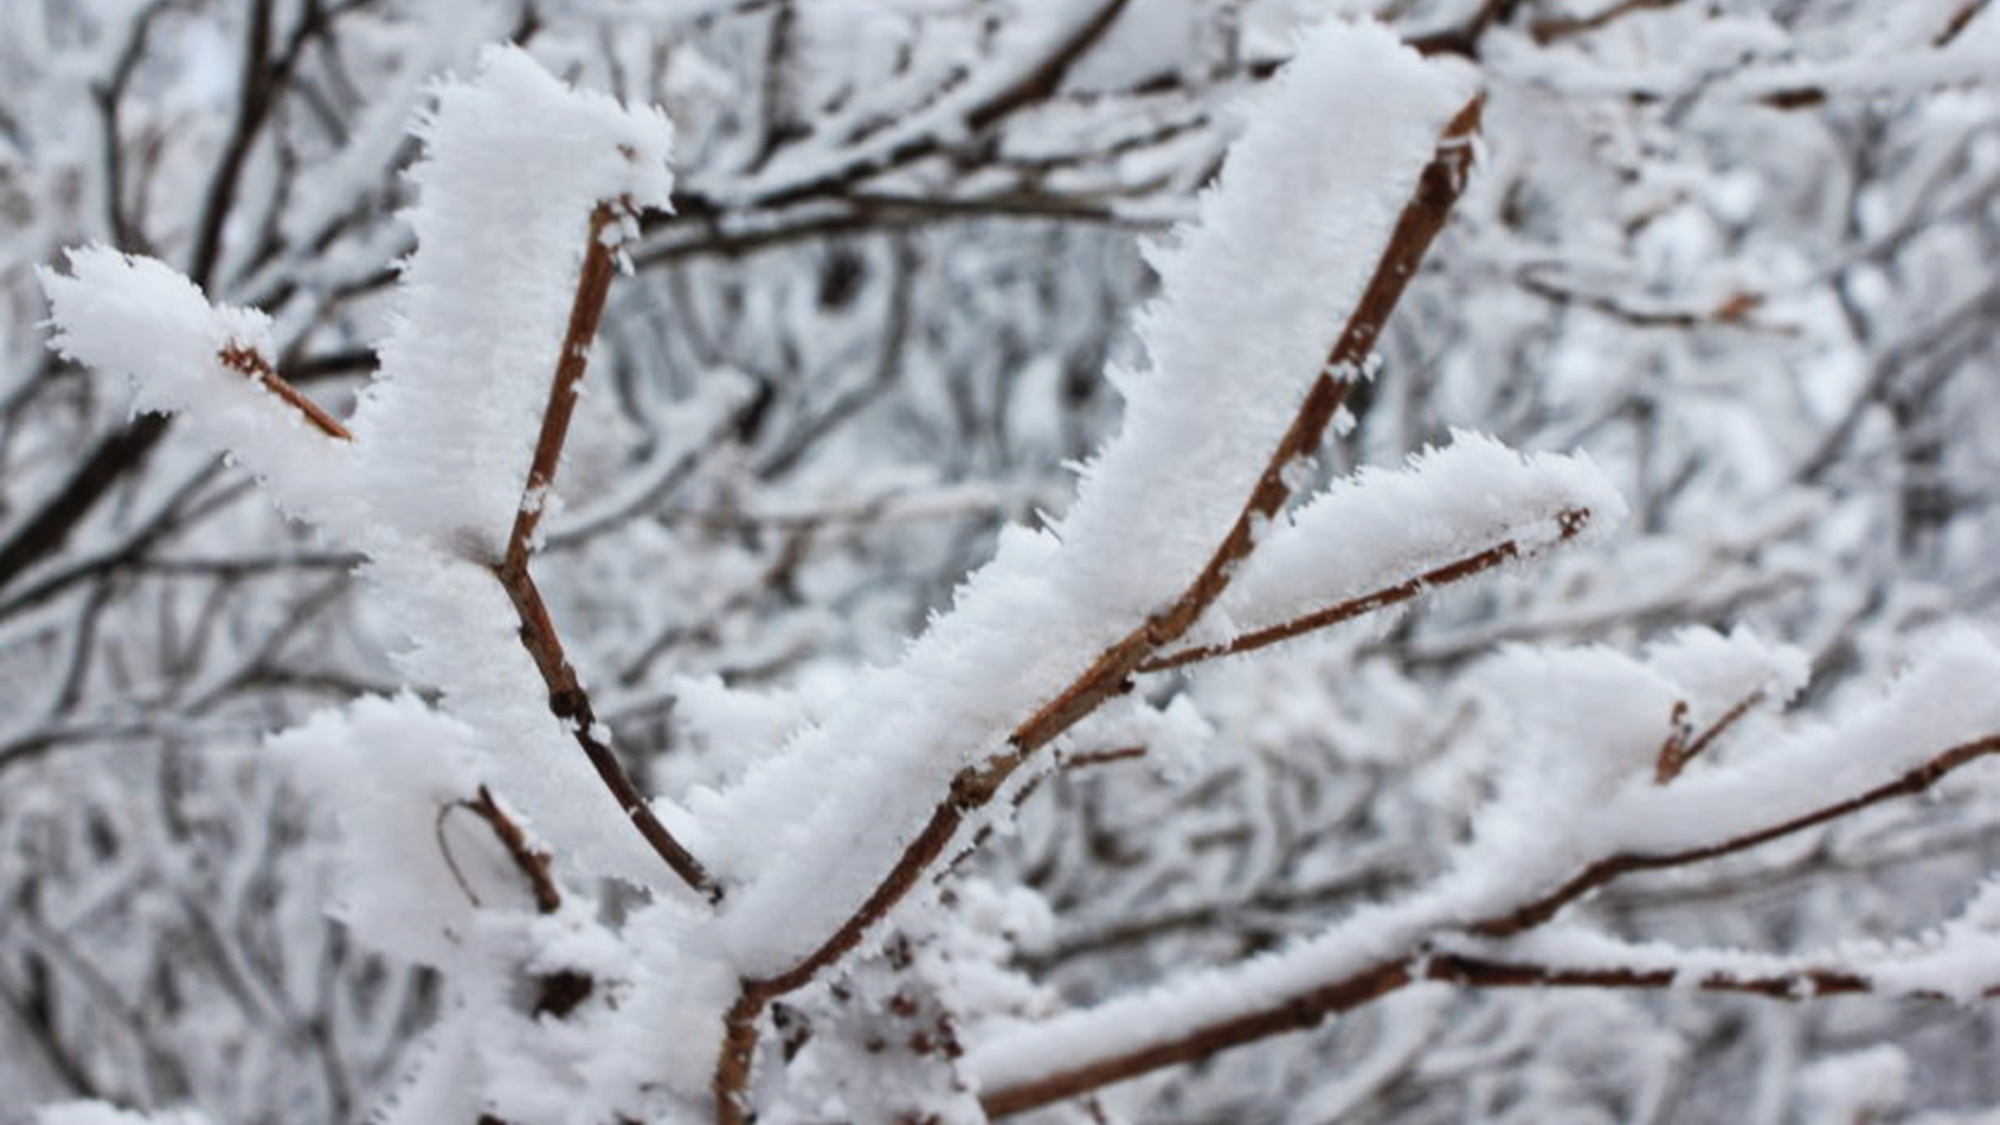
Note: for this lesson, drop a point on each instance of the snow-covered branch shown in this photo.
(740, 691)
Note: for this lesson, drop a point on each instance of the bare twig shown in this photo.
(1959, 21)
(558, 992)
(1437, 189)
(1480, 972)
(1679, 750)
(1550, 30)
(593, 288)
(248, 362)
(567, 698)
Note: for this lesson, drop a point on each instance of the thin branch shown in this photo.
(1550, 30)
(1041, 83)
(253, 106)
(1029, 89)
(593, 288)
(1570, 523)
(1437, 189)
(1732, 311)
(1088, 758)
(533, 862)
(1300, 1012)
(1798, 984)
(107, 463)
(1605, 870)
(1307, 1009)
(567, 698)
(1678, 750)
(247, 362)
(571, 704)
(1960, 20)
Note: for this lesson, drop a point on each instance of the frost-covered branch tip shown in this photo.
(1569, 524)
(1381, 538)
(140, 319)
(1576, 809)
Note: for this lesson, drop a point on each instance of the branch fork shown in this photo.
(1110, 674)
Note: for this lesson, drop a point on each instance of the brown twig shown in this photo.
(1679, 750)
(559, 991)
(593, 288)
(1437, 189)
(1088, 758)
(570, 703)
(1732, 311)
(532, 861)
(1308, 1009)
(1611, 867)
(250, 363)
(1959, 21)
(567, 698)
(1570, 523)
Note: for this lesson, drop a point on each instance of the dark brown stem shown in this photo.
(1959, 21)
(1087, 758)
(1798, 984)
(1307, 1009)
(1570, 522)
(1437, 189)
(1550, 30)
(1605, 870)
(567, 698)
(1041, 83)
(560, 991)
(571, 704)
(1297, 1013)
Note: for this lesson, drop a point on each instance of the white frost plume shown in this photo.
(141, 319)
(412, 865)
(1252, 297)
(515, 164)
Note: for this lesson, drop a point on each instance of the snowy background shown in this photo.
(1057, 658)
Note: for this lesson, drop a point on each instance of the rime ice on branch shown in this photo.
(1254, 295)
(523, 181)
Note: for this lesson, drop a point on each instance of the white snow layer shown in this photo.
(514, 163)
(390, 772)
(1254, 297)
(104, 1113)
